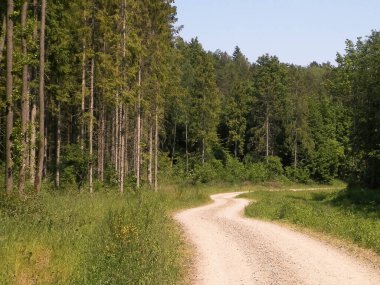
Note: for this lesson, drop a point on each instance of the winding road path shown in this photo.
(230, 249)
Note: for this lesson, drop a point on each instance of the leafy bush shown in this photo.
(208, 172)
(274, 167)
(74, 165)
(298, 174)
(234, 171)
(257, 172)
(326, 161)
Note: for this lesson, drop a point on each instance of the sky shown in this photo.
(297, 31)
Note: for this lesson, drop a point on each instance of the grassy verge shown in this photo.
(350, 214)
(103, 238)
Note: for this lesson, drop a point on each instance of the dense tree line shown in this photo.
(107, 92)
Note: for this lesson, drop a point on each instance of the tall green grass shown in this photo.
(351, 214)
(104, 238)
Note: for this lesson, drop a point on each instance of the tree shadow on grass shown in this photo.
(359, 199)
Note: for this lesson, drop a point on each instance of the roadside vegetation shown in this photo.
(104, 238)
(351, 214)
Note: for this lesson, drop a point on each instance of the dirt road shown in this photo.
(231, 249)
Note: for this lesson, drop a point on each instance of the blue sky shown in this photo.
(297, 31)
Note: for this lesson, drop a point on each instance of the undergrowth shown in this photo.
(104, 238)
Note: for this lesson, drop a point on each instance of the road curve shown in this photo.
(231, 249)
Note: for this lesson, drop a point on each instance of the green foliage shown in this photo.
(326, 161)
(208, 172)
(74, 165)
(234, 171)
(257, 172)
(298, 174)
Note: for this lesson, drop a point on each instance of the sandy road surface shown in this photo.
(231, 249)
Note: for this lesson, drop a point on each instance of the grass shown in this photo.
(104, 238)
(351, 214)
(108, 238)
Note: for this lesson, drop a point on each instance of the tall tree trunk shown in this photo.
(122, 150)
(174, 141)
(91, 125)
(33, 139)
(117, 132)
(236, 149)
(186, 145)
(2, 38)
(295, 150)
(46, 153)
(125, 120)
(112, 138)
(156, 152)
(203, 151)
(9, 105)
(150, 162)
(83, 95)
(24, 102)
(58, 150)
(120, 138)
(138, 131)
(267, 136)
(101, 144)
(33, 112)
(41, 145)
(126, 141)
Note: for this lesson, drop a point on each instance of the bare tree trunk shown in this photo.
(236, 149)
(101, 134)
(117, 131)
(112, 138)
(82, 133)
(122, 151)
(138, 138)
(2, 39)
(187, 149)
(125, 120)
(9, 104)
(24, 103)
(41, 145)
(58, 154)
(174, 141)
(120, 138)
(150, 162)
(46, 154)
(33, 138)
(203, 151)
(33, 112)
(267, 136)
(91, 125)
(295, 151)
(126, 141)
(156, 152)
(83, 95)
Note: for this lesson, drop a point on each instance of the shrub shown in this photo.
(74, 164)
(298, 174)
(257, 172)
(208, 172)
(234, 171)
(274, 167)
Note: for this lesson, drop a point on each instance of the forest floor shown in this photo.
(232, 249)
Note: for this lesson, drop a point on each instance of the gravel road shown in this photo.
(230, 249)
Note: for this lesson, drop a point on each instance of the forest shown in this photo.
(106, 93)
